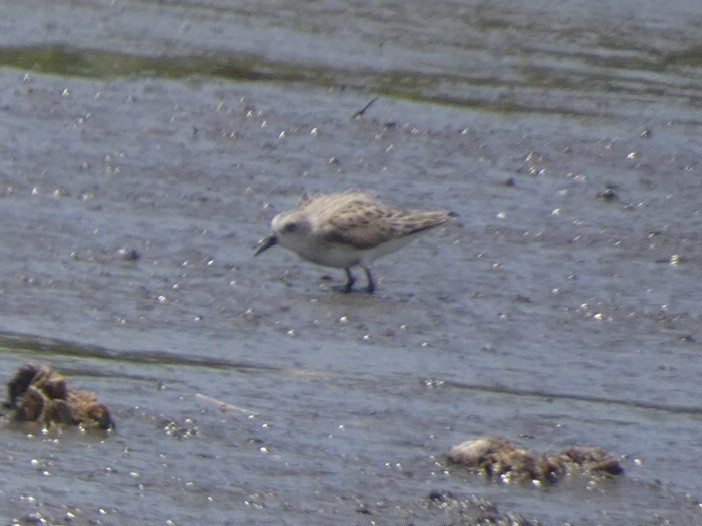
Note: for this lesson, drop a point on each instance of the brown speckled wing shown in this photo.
(366, 225)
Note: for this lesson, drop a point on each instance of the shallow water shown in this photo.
(147, 145)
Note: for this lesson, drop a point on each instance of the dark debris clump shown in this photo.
(504, 461)
(37, 393)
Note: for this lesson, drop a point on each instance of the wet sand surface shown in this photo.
(145, 148)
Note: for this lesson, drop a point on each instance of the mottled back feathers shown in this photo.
(359, 219)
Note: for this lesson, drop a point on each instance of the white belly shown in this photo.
(342, 255)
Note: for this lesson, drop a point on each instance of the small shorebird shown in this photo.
(347, 229)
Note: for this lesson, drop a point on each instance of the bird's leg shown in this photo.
(350, 280)
(371, 284)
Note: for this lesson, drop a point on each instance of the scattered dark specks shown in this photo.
(181, 431)
(129, 254)
(440, 496)
(609, 193)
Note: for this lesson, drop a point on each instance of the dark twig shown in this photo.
(360, 112)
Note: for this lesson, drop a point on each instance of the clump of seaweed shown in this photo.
(504, 461)
(37, 393)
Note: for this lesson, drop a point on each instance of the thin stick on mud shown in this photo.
(360, 112)
(224, 406)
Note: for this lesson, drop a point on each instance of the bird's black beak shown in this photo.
(266, 243)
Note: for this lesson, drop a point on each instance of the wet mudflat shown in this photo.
(139, 167)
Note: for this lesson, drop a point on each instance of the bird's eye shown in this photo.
(290, 227)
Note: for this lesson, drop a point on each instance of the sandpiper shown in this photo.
(348, 229)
